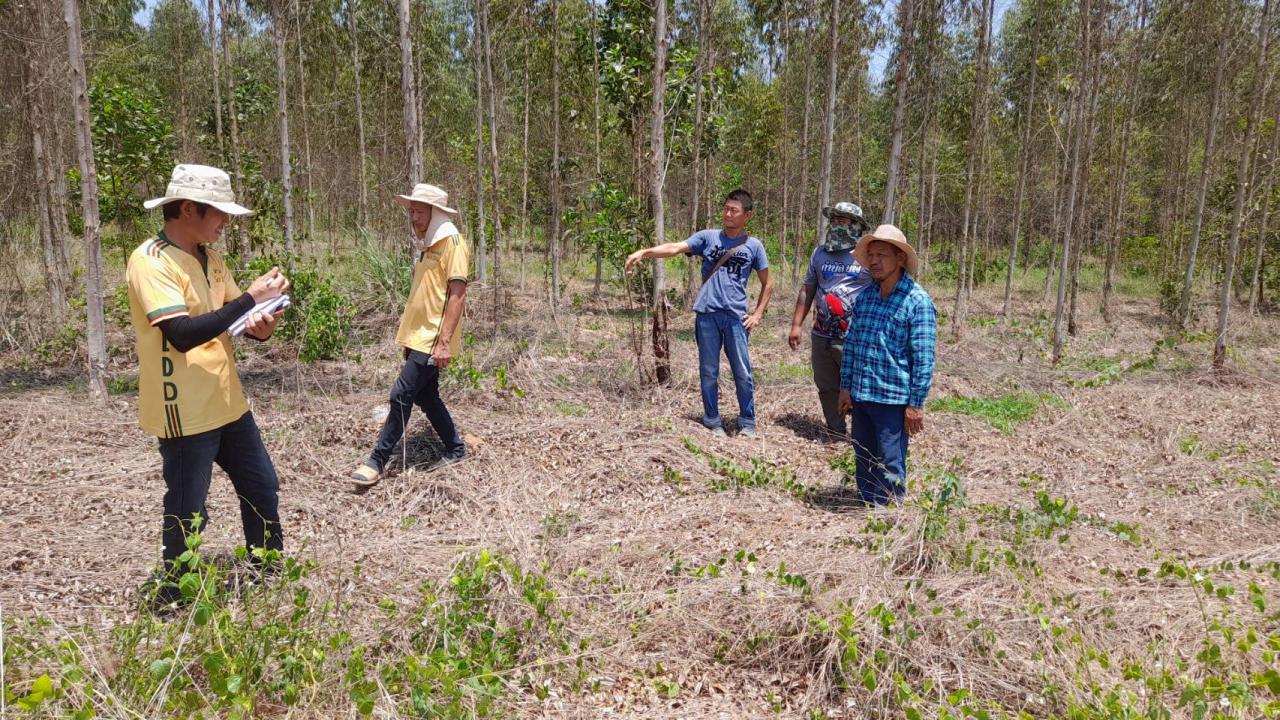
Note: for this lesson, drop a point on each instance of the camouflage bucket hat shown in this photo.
(846, 210)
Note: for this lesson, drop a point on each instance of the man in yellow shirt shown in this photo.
(430, 331)
(182, 299)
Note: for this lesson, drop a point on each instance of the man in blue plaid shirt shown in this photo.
(888, 364)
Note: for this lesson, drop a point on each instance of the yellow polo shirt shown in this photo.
(448, 259)
(180, 393)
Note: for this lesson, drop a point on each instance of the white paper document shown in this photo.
(266, 306)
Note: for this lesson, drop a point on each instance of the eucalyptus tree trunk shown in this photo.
(1077, 139)
(829, 117)
(493, 155)
(1185, 304)
(180, 75)
(217, 80)
(96, 330)
(279, 23)
(56, 274)
(1261, 81)
(1120, 194)
(553, 246)
(306, 125)
(977, 127)
(1086, 228)
(1024, 160)
(55, 280)
(237, 167)
(804, 131)
(524, 154)
(353, 9)
(482, 265)
(413, 148)
(657, 180)
(595, 84)
(906, 42)
(693, 276)
(1259, 247)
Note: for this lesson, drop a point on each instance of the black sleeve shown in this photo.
(184, 333)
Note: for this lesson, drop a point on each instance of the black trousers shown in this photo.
(188, 469)
(418, 384)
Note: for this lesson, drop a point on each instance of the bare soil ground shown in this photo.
(582, 472)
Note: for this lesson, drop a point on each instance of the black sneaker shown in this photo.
(450, 457)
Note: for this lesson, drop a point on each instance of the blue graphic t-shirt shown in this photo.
(727, 288)
(839, 280)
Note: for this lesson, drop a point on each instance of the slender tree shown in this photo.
(306, 123)
(1024, 159)
(829, 117)
(1264, 217)
(693, 278)
(805, 124)
(657, 181)
(553, 247)
(1261, 82)
(1075, 162)
(408, 91)
(353, 11)
(279, 24)
(524, 150)
(482, 266)
(487, 32)
(906, 43)
(1185, 303)
(977, 132)
(1120, 191)
(96, 330)
(237, 166)
(217, 81)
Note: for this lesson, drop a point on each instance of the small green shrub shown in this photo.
(318, 320)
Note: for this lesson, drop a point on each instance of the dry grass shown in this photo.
(587, 476)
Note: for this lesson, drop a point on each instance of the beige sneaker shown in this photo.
(365, 477)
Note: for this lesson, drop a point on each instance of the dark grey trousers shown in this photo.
(826, 355)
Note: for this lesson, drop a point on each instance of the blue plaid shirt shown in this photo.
(888, 352)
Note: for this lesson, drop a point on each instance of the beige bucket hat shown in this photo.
(891, 235)
(202, 184)
(429, 194)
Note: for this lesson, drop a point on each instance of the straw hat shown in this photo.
(202, 184)
(429, 194)
(891, 235)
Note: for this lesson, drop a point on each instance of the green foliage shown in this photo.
(464, 650)
(1141, 256)
(1003, 412)
(318, 320)
(611, 221)
(133, 147)
(65, 345)
(241, 648)
(390, 274)
(762, 473)
(937, 500)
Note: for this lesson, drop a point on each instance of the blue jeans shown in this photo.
(713, 330)
(188, 468)
(419, 383)
(880, 446)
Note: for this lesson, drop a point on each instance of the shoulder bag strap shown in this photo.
(720, 263)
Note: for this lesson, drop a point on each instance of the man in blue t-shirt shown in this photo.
(832, 285)
(728, 256)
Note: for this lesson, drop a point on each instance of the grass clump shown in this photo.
(1002, 412)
